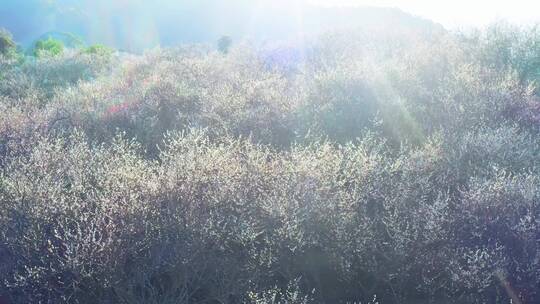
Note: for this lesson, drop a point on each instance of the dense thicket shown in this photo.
(380, 167)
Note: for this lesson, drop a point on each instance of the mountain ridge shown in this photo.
(137, 27)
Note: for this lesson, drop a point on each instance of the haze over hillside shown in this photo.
(136, 25)
(389, 161)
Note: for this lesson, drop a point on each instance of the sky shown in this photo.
(457, 13)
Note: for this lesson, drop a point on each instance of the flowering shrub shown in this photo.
(367, 174)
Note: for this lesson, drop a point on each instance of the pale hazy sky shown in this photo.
(457, 13)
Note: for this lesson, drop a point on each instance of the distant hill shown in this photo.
(135, 25)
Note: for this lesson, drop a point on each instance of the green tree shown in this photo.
(99, 50)
(7, 45)
(48, 47)
(224, 44)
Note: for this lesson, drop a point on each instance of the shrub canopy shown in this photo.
(372, 167)
(48, 47)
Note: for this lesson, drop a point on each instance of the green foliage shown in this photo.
(8, 47)
(391, 169)
(99, 49)
(6, 42)
(504, 46)
(48, 48)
